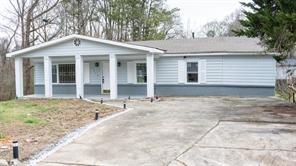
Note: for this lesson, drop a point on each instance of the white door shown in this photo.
(105, 78)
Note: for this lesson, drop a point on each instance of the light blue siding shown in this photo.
(86, 47)
(167, 70)
(214, 70)
(122, 72)
(248, 70)
(234, 74)
(95, 73)
(38, 73)
(223, 70)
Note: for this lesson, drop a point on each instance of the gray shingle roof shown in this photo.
(206, 45)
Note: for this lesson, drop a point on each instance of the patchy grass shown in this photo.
(38, 123)
(23, 111)
(2, 136)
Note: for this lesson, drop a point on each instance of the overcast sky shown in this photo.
(194, 13)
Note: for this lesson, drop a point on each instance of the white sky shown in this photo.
(194, 13)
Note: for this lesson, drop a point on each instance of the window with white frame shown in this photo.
(63, 73)
(141, 72)
(192, 72)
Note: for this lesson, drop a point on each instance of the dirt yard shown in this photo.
(39, 123)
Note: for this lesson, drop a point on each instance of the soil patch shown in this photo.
(37, 123)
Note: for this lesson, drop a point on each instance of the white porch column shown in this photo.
(113, 76)
(19, 79)
(150, 75)
(79, 76)
(48, 76)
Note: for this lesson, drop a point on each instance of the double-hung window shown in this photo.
(141, 72)
(63, 73)
(192, 72)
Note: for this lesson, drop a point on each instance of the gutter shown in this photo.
(219, 54)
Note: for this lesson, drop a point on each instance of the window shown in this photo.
(192, 72)
(63, 73)
(66, 73)
(141, 73)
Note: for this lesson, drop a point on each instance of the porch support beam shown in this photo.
(113, 76)
(79, 76)
(48, 76)
(19, 79)
(150, 74)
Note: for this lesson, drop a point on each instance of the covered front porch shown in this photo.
(93, 68)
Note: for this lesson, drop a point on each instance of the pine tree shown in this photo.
(274, 22)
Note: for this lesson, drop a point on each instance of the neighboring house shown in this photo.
(84, 66)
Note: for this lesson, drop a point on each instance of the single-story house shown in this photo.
(85, 66)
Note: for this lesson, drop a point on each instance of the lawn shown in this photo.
(38, 123)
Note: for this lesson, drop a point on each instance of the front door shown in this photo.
(105, 78)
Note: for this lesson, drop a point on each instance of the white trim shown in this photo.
(53, 42)
(150, 75)
(79, 76)
(64, 83)
(86, 72)
(105, 78)
(183, 74)
(19, 78)
(48, 76)
(56, 65)
(113, 76)
(132, 75)
(131, 72)
(202, 71)
(218, 54)
(181, 71)
(136, 76)
(186, 72)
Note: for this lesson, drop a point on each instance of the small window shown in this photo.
(141, 73)
(66, 73)
(192, 72)
(54, 74)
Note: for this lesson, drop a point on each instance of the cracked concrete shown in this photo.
(186, 131)
(235, 143)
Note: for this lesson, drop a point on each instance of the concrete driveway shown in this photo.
(188, 131)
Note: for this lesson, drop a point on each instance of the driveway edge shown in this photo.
(69, 138)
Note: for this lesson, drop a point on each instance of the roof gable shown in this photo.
(92, 44)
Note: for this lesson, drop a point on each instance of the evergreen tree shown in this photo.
(274, 22)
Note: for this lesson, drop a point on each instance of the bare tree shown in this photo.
(6, 72)
(224, 27)
(23, 16)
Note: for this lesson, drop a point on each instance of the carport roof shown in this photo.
(206, 45)
(71, 37)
